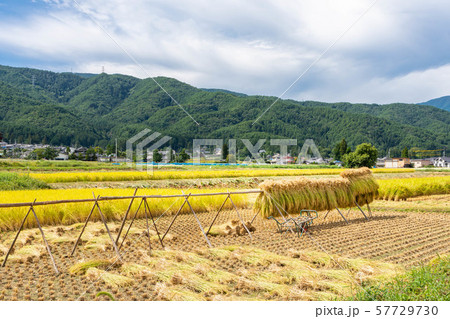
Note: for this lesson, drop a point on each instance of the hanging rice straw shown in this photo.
(356, 185)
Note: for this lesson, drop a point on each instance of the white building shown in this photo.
(441, 162)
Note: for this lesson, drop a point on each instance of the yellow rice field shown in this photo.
(402, 188)
(67, 177)
(10, 218)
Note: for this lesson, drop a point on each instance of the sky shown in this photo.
(366, 51)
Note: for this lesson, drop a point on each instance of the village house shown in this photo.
(418, 163)
(399, 162)
(441, 162)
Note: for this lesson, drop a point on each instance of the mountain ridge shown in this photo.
(442, 102)
(103, 107)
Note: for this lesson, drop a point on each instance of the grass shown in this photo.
(13, 181)
(400, 189)
(65, 214)
(356, 185)
(44, 165)
(70, 177)
(429, 282)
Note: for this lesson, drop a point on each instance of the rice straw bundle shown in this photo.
(362, 184)
(321, 194)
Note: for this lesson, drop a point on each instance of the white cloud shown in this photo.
(255, 47)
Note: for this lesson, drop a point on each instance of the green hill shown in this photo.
(66, 108)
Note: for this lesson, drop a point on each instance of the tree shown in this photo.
(110, 149)
(405, 152)
(365, 155)
(341, 149)
(99, 150)
(91, 154)
(225, 151)
(157, 157)
(183, 156)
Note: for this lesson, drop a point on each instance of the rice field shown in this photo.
(327, 265)
(65, 214)
(403, 188)
(69, 177)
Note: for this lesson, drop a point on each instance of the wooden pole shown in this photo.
(215, 217)
(348, 212)
(125, 217)
(175, 217)
(109, 233)
(107, 198)
(341, 215)
(15, 238)
(154, 224)
(368, 208)
(148, 232)
(199, 223)
(361, 211)
(45, 241)
(326, 214)
(240, 218)
(254, 217)
(131, 224)
(82, 231)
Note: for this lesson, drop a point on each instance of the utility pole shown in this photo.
(116, 149)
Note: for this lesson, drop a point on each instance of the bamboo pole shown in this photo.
(215, 217)
(15, 238)
(125, 217)
(131, 224)
(240, 218)
(106, 198)
(153, 221)
(45, 241)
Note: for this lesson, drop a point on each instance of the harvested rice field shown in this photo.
(329, 262)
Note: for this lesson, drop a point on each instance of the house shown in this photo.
(381, 162)
(441, 162)
(278, 159)
(81, 151)
(62, 157)
(400, 162)
(167, 155)
(104, 158)
(418, 163)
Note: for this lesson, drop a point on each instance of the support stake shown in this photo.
(131, 224)
(342, 215)
(153, 221)
(45, 240)
(361, 210)
(106, 226)
(148, 232)
(256, 215)
(175, 217)
(368, 208)
(198, 221)
(215, 217)
(125, 217)
(239, 215)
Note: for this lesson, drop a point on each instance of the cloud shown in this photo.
(255, 47)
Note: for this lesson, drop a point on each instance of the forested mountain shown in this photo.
(441, 102)
(66, 108)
